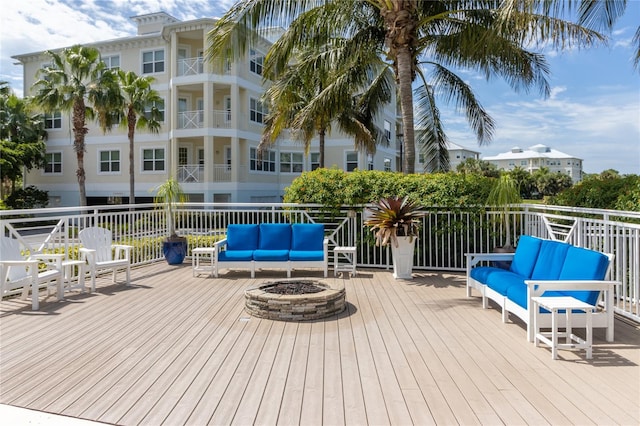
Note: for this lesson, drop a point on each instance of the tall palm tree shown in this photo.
(77, 81)
(137, 111)
(320, 89)
(415, 37)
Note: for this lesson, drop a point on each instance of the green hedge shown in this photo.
(334, 187)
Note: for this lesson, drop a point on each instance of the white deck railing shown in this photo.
(446, 234)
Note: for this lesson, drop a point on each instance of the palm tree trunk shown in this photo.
(131, 121)
(406, 105)
(401, 38)
(321, 137)
(79, 132)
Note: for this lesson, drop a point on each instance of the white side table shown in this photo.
(350, 254)
(568, 304)
(69, 276)
(202, 260)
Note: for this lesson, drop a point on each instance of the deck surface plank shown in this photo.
(174, 349)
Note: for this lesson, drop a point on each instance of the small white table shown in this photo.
(568, 304)
(350, 254)
(69, 269)
(202, 261)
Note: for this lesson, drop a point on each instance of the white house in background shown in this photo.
(212, 125)
(457, 154)
(536, 157)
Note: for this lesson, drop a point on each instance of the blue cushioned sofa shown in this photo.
(544, 268)
(273, 245)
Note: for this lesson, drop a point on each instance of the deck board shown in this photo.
(174, 349)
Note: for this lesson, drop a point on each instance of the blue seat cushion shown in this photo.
(235, 256)
(307, 237)
(481, 273)
(275, 236)
(270, 255)
(502, 281)
(550, 260)
(300, 255)
(526, 254)
(242, 237)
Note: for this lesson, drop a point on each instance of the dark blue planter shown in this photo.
(175, 251)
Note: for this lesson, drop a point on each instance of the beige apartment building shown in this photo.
(537, 156)
(211, 129)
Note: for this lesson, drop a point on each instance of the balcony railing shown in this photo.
(190, 66)
(194, 173)
(195, 119)
(445, 236)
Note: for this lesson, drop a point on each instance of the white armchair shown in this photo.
(18, 272)
(100, 254)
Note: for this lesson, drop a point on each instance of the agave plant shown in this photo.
(393, 217)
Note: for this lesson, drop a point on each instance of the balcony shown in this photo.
(190, 66)
(194, 173)
(195, 119)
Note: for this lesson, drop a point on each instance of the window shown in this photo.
(53, 121)
(266, 164)
(387, 164)
(153, 160)
(315, 160)
(112, 62)
(183, 156)
(159, 105)
(291, 162)
(523, 162)
(369, 162)
(387, 130)
(109, 161)
(256, 61)
(257, 111)
(153, 61)
(227, 109)
(54, 162)
(352, 161)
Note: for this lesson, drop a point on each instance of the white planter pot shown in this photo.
(403, 258)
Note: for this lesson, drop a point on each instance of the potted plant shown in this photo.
(395, 221)
(504, 195)
(168, 195)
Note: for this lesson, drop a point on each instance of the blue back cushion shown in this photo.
(307, 236)
(275, 236)
(583, 264)
(550, 260)
(526, 255)
(242, 237)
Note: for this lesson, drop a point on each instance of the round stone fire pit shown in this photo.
(294, 300)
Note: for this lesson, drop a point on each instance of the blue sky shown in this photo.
(593, 112)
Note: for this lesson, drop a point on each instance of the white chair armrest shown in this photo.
(537, 287)
(51, 260)
(475, 258)
(122, 251)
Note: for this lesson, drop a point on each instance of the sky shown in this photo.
(593, 112)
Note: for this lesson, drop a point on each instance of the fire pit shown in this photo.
(294, 300)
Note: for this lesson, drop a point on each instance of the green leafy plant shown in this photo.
(504, 195)
(393, 217)
(169, 194)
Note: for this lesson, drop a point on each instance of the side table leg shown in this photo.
(589, 333)
(554, 334)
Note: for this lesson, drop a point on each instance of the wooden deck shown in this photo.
(173, 349)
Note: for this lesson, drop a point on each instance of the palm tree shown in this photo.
(314, 92)
(77, 81)
(137, 98)
(22, 136)
(414, 36)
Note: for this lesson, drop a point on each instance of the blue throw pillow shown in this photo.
(526, 254)
(242, 237)
(307, 237)
(275, 236)
(550, 260)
